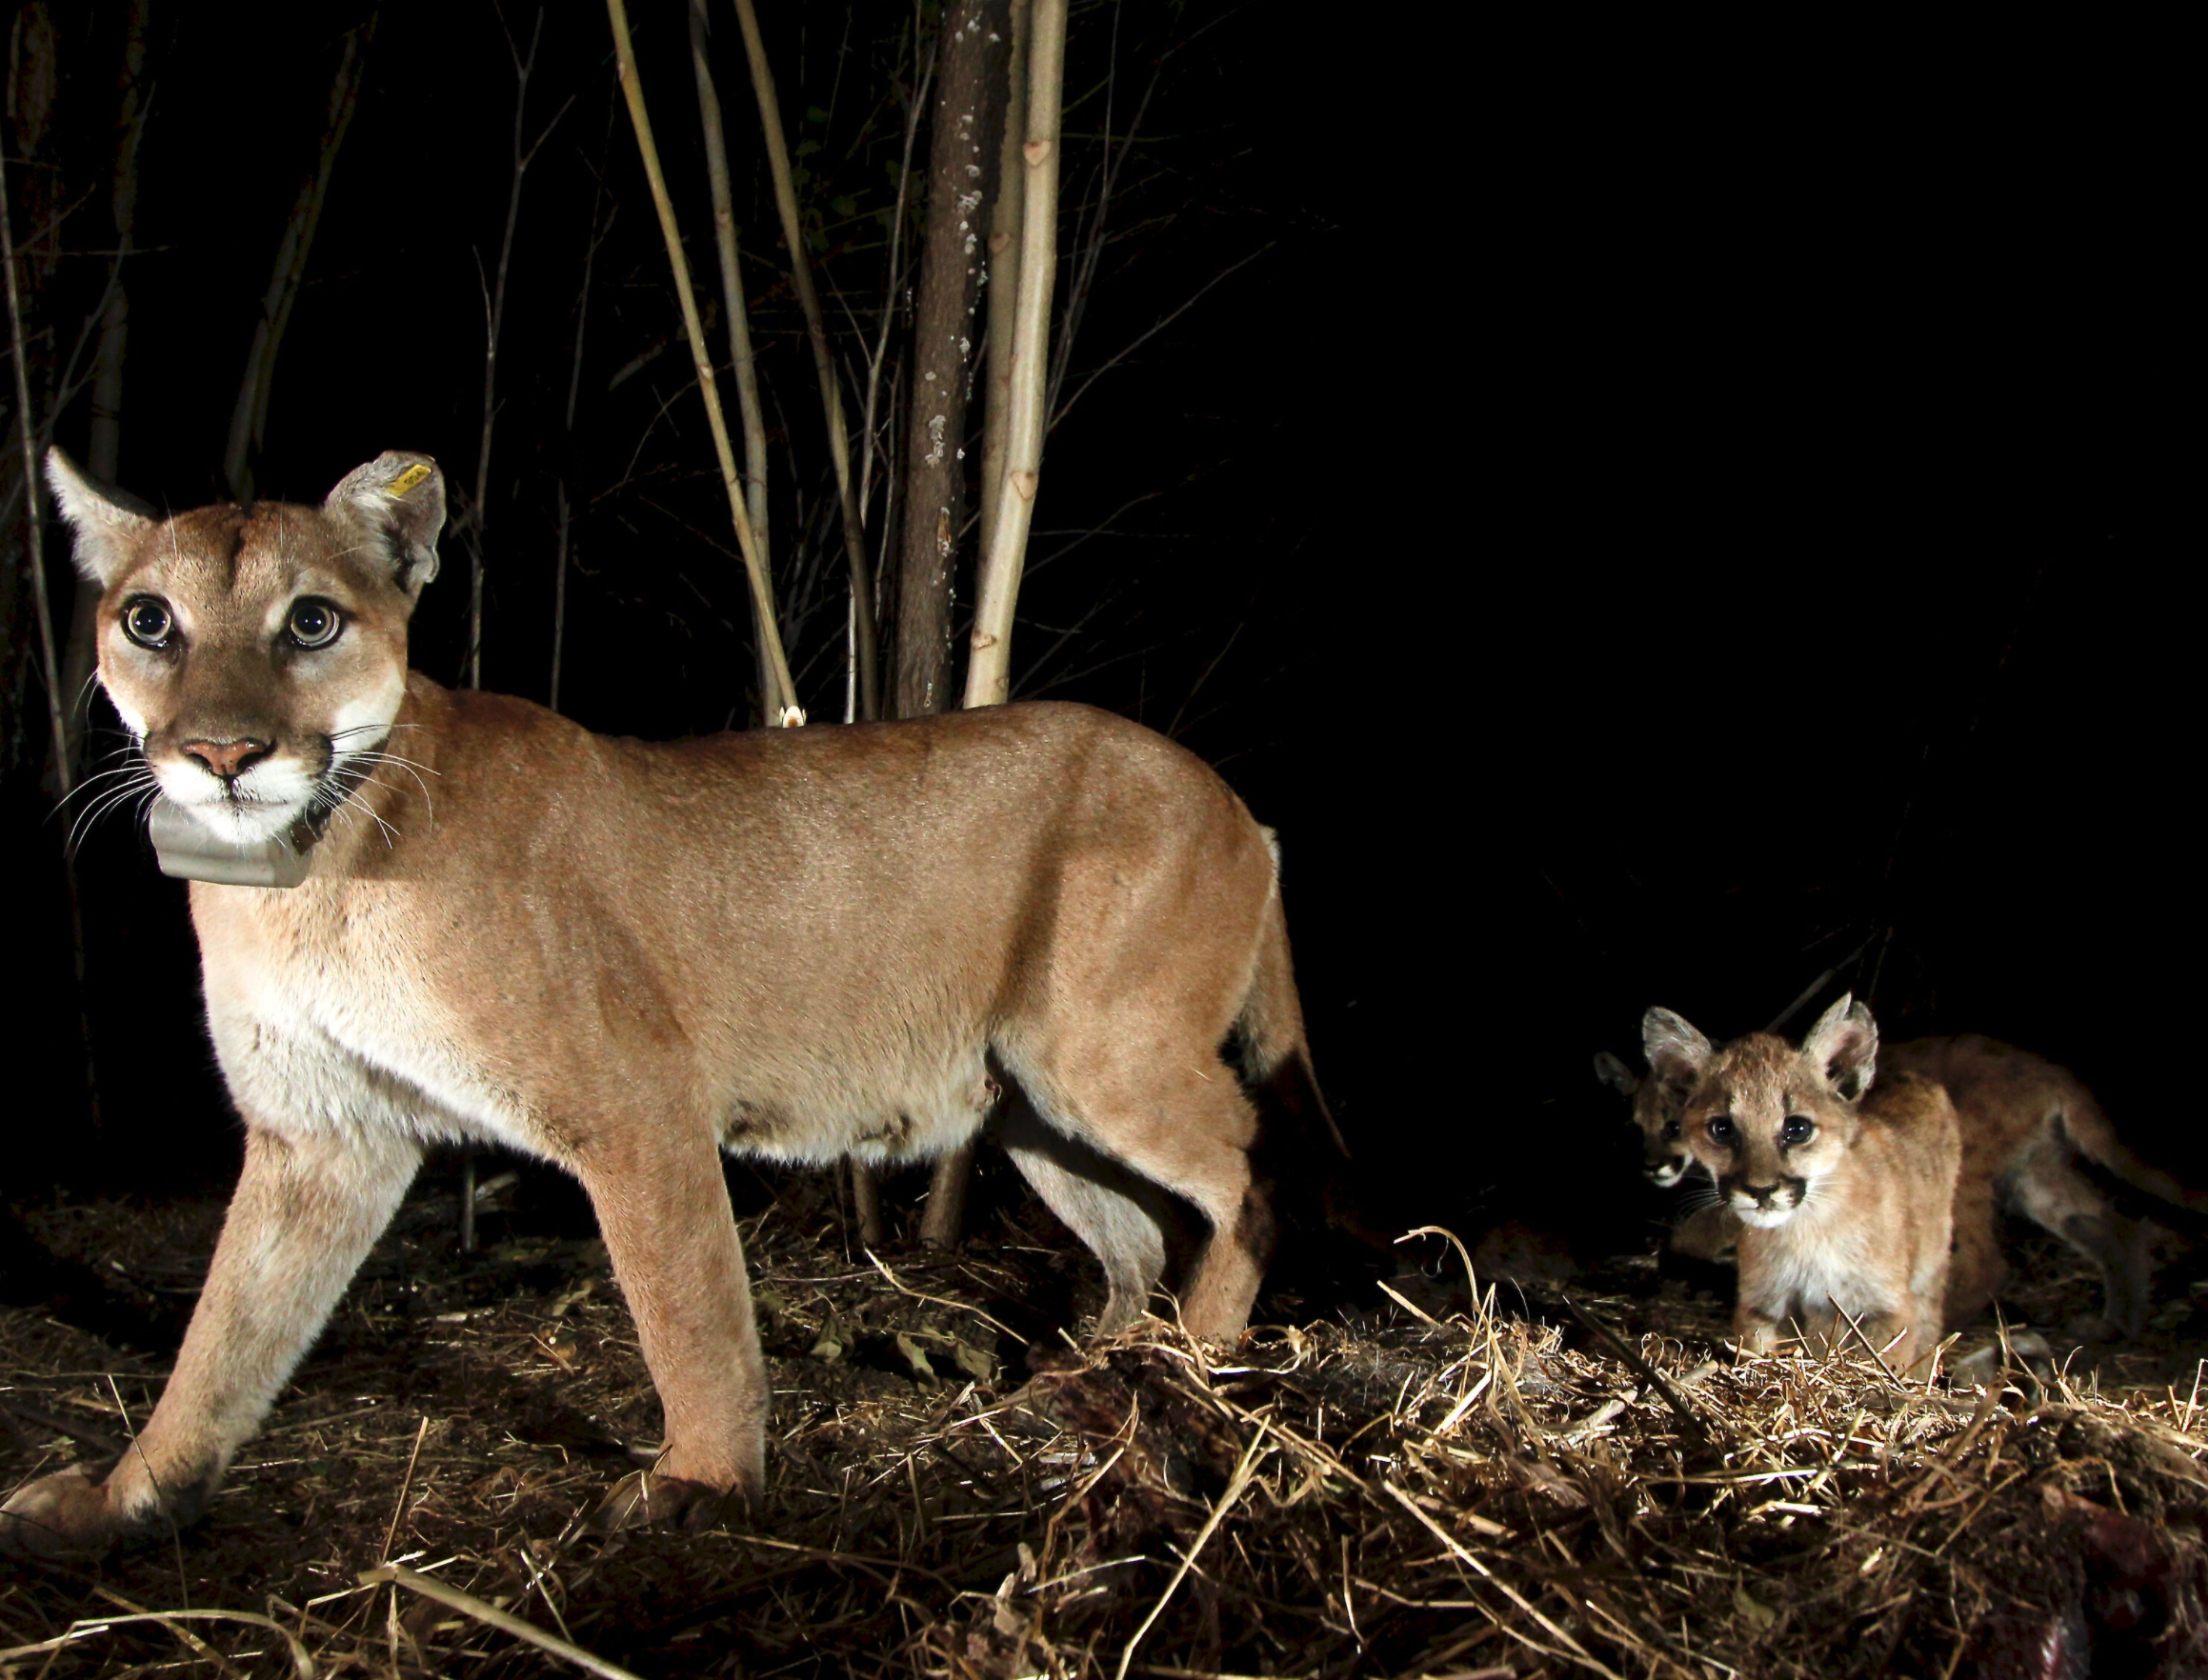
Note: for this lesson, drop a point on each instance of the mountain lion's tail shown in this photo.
(2087, 1124)
(1275, 1055)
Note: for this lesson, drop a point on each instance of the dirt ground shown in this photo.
(1569, 1475)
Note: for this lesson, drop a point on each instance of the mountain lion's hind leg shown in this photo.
(1100, 1202)
(663, 1209)
(1180, 1120)
(306, 1212)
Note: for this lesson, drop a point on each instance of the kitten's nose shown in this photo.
(1762, 1192)
(229, 759)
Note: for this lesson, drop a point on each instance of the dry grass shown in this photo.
(1405, 1491)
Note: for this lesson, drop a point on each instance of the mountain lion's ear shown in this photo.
(1676, 1054)
(1615, 1073)
(105, 522)
(1844, 1046)
(400, 495)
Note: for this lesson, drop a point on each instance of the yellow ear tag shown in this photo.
(411, 476)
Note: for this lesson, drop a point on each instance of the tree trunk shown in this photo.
(105, 452)
(963, 163)
(250, 416)
(961, 160)
(989, 667)
(997, 589)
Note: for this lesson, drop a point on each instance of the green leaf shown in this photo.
(843, 206)
(814, 114)
(807, 148)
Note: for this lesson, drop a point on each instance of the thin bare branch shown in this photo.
(823, 362)
(755, 562)
(740, 327)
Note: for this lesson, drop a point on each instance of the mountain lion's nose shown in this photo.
(1762, 1192)
(229, 759)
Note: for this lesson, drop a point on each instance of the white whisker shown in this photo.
(391, 834)
(108, 800)
(410, 765)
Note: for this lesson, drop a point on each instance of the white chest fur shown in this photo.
(325, 1017)
(1815, 1261)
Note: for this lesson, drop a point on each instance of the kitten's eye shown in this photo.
(148, 621)
(1797, 1129)
(1671, 1130)
(314, 624)
(1720, 1129)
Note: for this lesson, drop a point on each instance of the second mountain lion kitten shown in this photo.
(2025, 1122)
(1844, 1190)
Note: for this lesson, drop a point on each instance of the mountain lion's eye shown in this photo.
(1797, 1129)
(148, 622)
(1671, 1130)
(1720, 1129)
(314, 624)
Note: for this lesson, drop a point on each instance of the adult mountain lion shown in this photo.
(2025, 1122)
(625, 957)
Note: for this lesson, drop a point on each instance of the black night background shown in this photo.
(1651, 512)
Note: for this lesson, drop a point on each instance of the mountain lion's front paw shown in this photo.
(65, 1515)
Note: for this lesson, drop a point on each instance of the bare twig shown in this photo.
(1236, 1485)
(740, 327)
(405, 1486)
(1641, 1368)
(755, 562)
(469, 1605)
(87, 1627)
(250, 416)
(892, 278)
(104, 452)
(494, 321)
(823, 362)
(35, 523)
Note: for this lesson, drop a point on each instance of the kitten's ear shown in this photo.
(1612, 1071)
(105, 522)
(1844, 1047)
(399, 496)
(1676, 1054)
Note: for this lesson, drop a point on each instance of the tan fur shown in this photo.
(2024, 1121)
(1845, 1195)
(624, 958)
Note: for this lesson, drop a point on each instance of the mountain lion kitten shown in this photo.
(2024, 1121)
(625, 958)
(1845, 1191)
